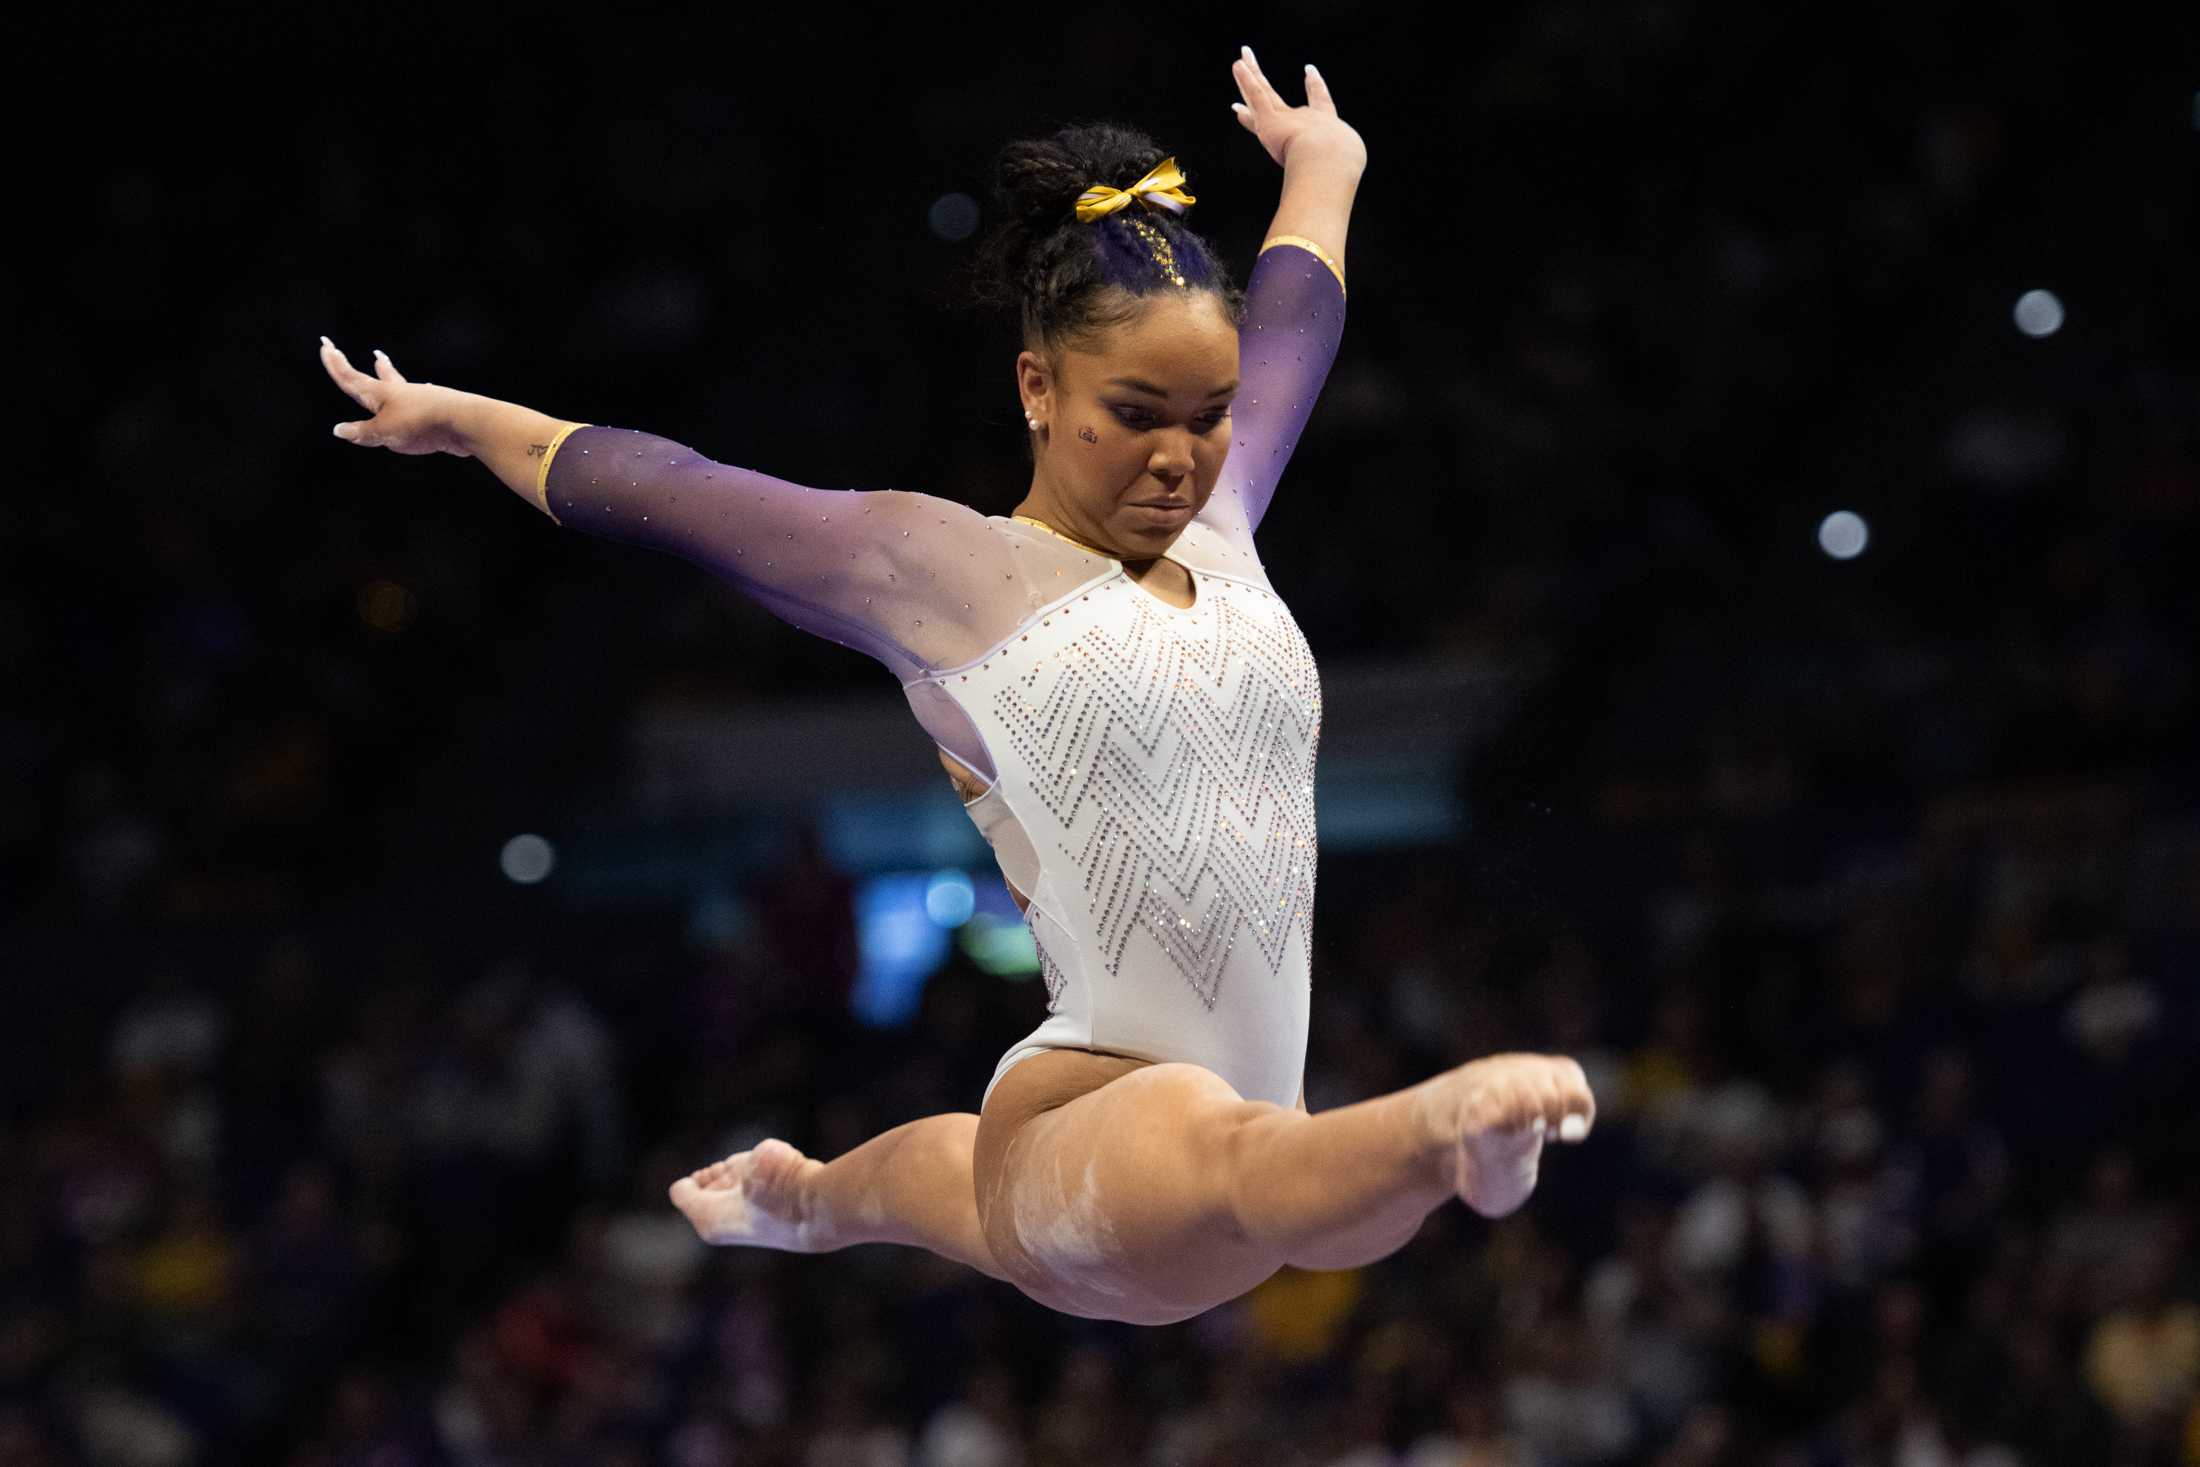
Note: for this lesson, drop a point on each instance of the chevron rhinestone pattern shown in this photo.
(1051, 974)
(1175, 752)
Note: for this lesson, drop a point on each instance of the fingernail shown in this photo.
(326, 342)
(1573, 1128)
(338, 430)
(1247, 53)
(380, 353)
(1310, 71)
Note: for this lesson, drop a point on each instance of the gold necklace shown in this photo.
(1057, 534)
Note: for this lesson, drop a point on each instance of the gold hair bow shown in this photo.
(1160, 189)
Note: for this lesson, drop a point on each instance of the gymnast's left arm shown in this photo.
(1295, 296)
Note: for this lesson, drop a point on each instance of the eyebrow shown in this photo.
(1140, 384)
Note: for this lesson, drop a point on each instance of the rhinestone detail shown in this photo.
(1167, 756)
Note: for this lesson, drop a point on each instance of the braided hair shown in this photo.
(1067, 280)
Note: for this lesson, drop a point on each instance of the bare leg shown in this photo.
(1163, 1192)
(909, 1185)
(1351, 1185)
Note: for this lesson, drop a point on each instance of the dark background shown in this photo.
(1869, 891)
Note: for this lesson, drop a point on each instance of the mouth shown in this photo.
(1166, 509)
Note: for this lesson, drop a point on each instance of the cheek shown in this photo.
(1106, 451)
(1212, 449)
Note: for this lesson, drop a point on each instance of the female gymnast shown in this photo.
(1132, 716)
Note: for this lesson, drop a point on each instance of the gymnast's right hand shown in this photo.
(409, 417)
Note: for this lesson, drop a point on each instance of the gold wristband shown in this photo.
(542, 474)
(1310, 247)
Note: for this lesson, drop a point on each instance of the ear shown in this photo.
(1034, 382)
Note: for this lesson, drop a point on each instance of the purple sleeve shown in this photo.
(834, 562)
(1294, 316)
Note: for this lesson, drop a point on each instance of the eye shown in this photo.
(1135, 417)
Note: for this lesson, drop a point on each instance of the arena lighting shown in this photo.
(526, 859)
(2038, 313)
(953, 217)
(949, 898)
(898, 946)
(1843, 534)
(999, 945)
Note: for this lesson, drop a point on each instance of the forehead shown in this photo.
(1181, 341)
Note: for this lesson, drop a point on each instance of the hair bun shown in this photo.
(1039, 179)
(1035, 184)
(1063, 278)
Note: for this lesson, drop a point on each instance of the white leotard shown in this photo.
(1155, 801)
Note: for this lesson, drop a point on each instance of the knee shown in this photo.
(1240, 1158)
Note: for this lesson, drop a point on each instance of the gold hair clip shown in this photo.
(1162, 188)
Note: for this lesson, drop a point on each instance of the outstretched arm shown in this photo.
(1295, 297)
(865, 569)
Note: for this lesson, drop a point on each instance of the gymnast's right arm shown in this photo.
(842, 564)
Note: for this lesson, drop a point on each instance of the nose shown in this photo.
(1172, 455)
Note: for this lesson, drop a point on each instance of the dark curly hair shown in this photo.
(1066, 281)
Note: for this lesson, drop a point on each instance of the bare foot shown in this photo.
(1495, 1115)
(760, 1198)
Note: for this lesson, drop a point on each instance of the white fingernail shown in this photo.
(1573, 1128)
(338, 430)
(382, 354)
(326, 342)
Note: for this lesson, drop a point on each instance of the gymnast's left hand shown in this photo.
(1282, 127)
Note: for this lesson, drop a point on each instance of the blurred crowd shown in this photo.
(1893, 1166)
(1867, 891)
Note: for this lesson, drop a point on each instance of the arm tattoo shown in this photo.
(537, 450)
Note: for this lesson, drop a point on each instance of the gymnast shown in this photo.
(1130, 714)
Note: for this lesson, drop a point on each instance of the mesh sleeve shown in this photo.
(1294, 317)
(842, 564)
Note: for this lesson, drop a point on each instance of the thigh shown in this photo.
(1103, 1187)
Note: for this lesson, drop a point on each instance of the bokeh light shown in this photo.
(527, 859)
(2039, 313)
(953, 217)
(949, 898)
(1843, 534)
